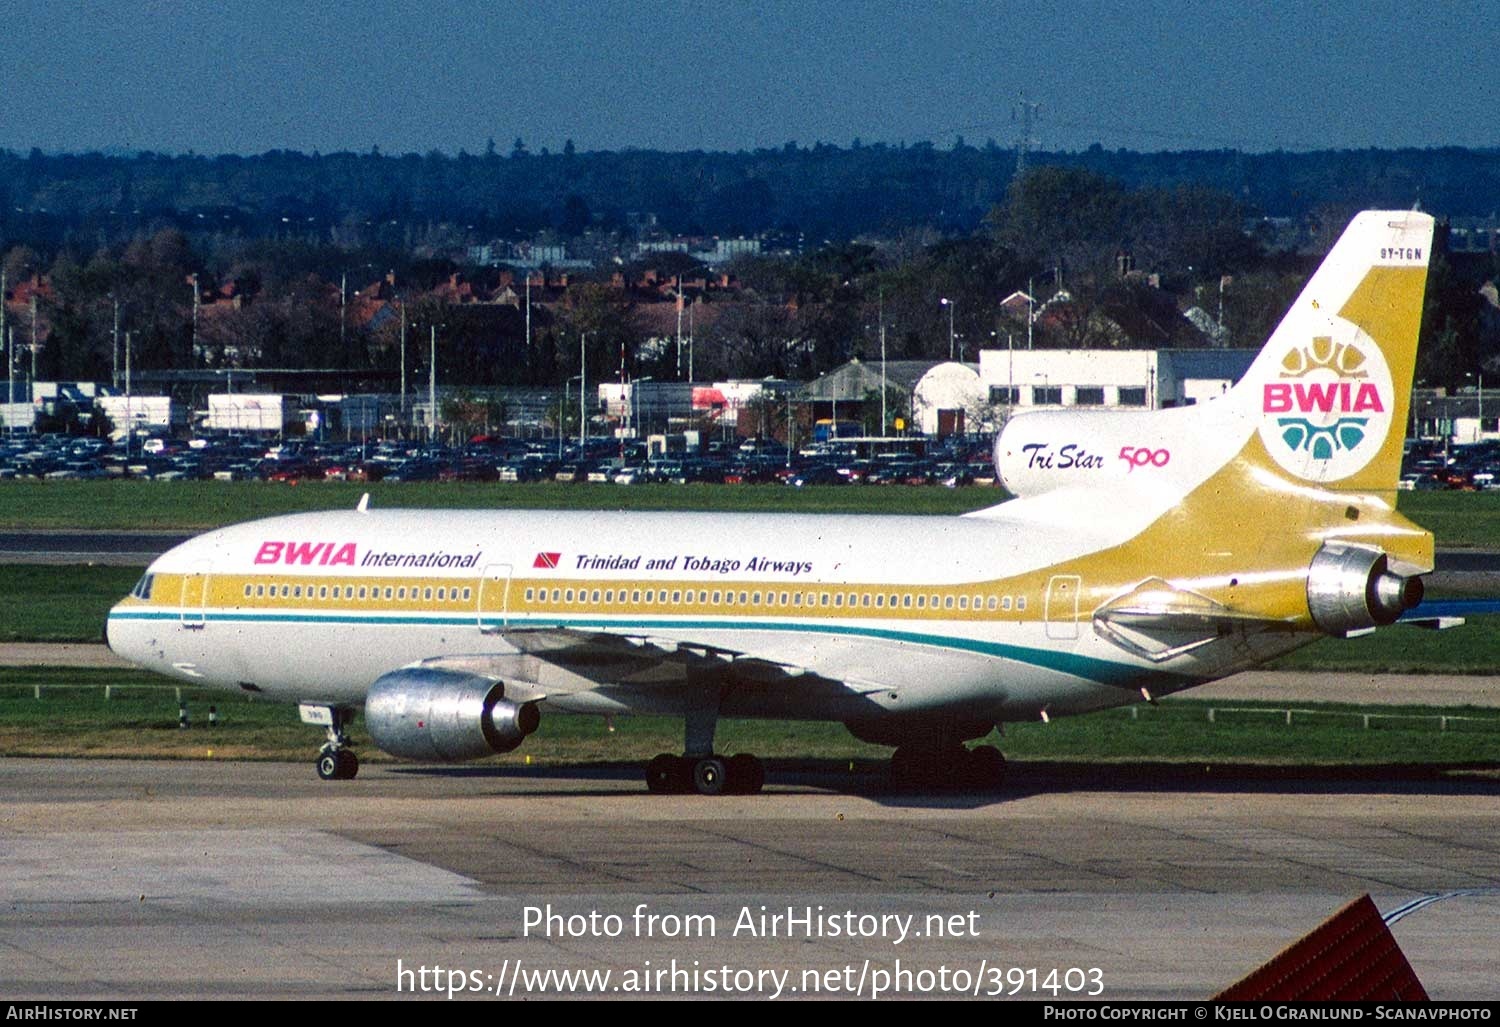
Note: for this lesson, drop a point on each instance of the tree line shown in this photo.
(1096, 252)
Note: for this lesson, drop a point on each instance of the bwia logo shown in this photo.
(1328, 412)
(546, 561)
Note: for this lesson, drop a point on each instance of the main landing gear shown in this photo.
(336, 760)
(699, 770)
(947, 768)
(707, 775)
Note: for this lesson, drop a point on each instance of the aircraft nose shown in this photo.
(104, 633)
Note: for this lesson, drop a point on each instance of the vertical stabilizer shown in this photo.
(1332, 388)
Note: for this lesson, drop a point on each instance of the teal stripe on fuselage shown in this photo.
(1103, 672)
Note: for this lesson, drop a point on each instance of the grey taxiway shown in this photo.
(139, 880)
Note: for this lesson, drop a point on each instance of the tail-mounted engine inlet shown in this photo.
(1351, 588)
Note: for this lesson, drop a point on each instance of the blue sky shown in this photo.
(254, 75)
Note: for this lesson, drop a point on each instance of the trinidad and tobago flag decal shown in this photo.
(547, 561)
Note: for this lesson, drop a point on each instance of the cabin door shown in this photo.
(195, 595)
(493, 608)
(1062, 606)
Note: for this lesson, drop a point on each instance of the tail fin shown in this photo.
(1325, 403)
(1331, 389)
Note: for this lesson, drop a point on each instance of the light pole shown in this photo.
(114, 347)
(883, 421)
(635, 410)
(193, 361)
(950, 304)
(129, 404)
(583, 370)
(561, 408)
(432, 390)
(403, 369)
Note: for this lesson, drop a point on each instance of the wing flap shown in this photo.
(563, 661)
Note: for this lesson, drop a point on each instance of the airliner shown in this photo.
(1145, 552)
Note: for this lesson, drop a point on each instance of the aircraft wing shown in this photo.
(555, 662)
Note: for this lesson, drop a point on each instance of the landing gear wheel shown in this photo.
(914, 769)
(709, 776)
(747, 775)
(337, 764)
(985, 768)
(348, 764)
(663, 775)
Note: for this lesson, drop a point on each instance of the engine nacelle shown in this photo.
(1350, 588)
(440, 716)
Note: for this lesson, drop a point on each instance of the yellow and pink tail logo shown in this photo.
(1328, 411)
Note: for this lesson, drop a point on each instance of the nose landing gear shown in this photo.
(336, 760)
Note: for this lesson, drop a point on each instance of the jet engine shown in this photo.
(1351, 588)
(442, 716)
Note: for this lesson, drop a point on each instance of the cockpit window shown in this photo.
(142, 588)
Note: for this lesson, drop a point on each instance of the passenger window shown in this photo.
(466, 593)
(322, 591)
(906, 600)
(797, 599)
(755, 599)
(388, 593)
(744, 598)
(528, 595)
(427, 594)
(650, 595)
(401, 593)
(247, 591)
(260, 591)
(838, 599)
(963, 602)
(297, 592)
(1020, 602)
(718, 596)
(784, 598)
(442, 595)
(880, 602)
(568, 596)
(921, 602)
(703, 597)
(991, 603)
(635, 595)
(822, 598)
(865, 600)
(948, 603)
(594, 597)
(676, 597)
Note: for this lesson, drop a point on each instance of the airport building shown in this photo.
(1138, 378)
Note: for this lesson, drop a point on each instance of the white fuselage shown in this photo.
(909, 614)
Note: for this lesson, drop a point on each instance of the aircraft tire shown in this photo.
(348, 764)
(709, 776)
(663, 774)
(985, 768)
(746, 774)
(328, 765)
